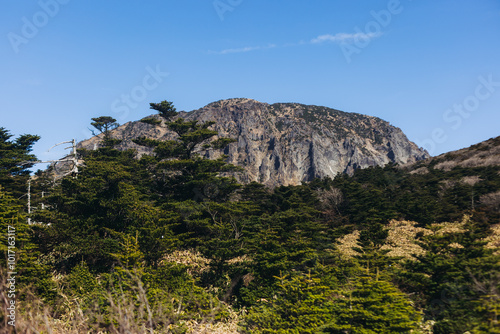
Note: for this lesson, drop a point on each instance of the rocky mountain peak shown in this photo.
(290, 143)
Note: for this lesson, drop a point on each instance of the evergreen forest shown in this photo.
(171, 242)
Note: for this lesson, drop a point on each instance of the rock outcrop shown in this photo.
(289, 143)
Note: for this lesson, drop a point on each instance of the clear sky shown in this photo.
(431, 68)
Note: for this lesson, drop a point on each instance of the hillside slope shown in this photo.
(483, 154)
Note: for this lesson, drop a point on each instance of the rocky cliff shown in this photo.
(289, 143)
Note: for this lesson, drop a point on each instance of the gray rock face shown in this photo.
(289, 143)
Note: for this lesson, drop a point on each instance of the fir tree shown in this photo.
(15, 161)
(105, 124)
(372, 306)
(180, 170)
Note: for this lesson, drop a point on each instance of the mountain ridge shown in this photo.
(483, 154)
(287, 143)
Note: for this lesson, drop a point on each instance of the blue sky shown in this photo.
(431, 68)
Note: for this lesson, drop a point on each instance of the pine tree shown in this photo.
(373, 306)
(19, 253)
(302, 303)
(105, 124)
(180, 170)
(15, 160)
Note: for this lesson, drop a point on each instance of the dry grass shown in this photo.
(493, 240)
(470, 180)
(402, 240)
(420, 171)
(229, 327)
(446, 165)
(455, 245)
(449, 228)
(483, 154)
(126, 311)
(193, 259)
(240, 259)
(347, 243)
